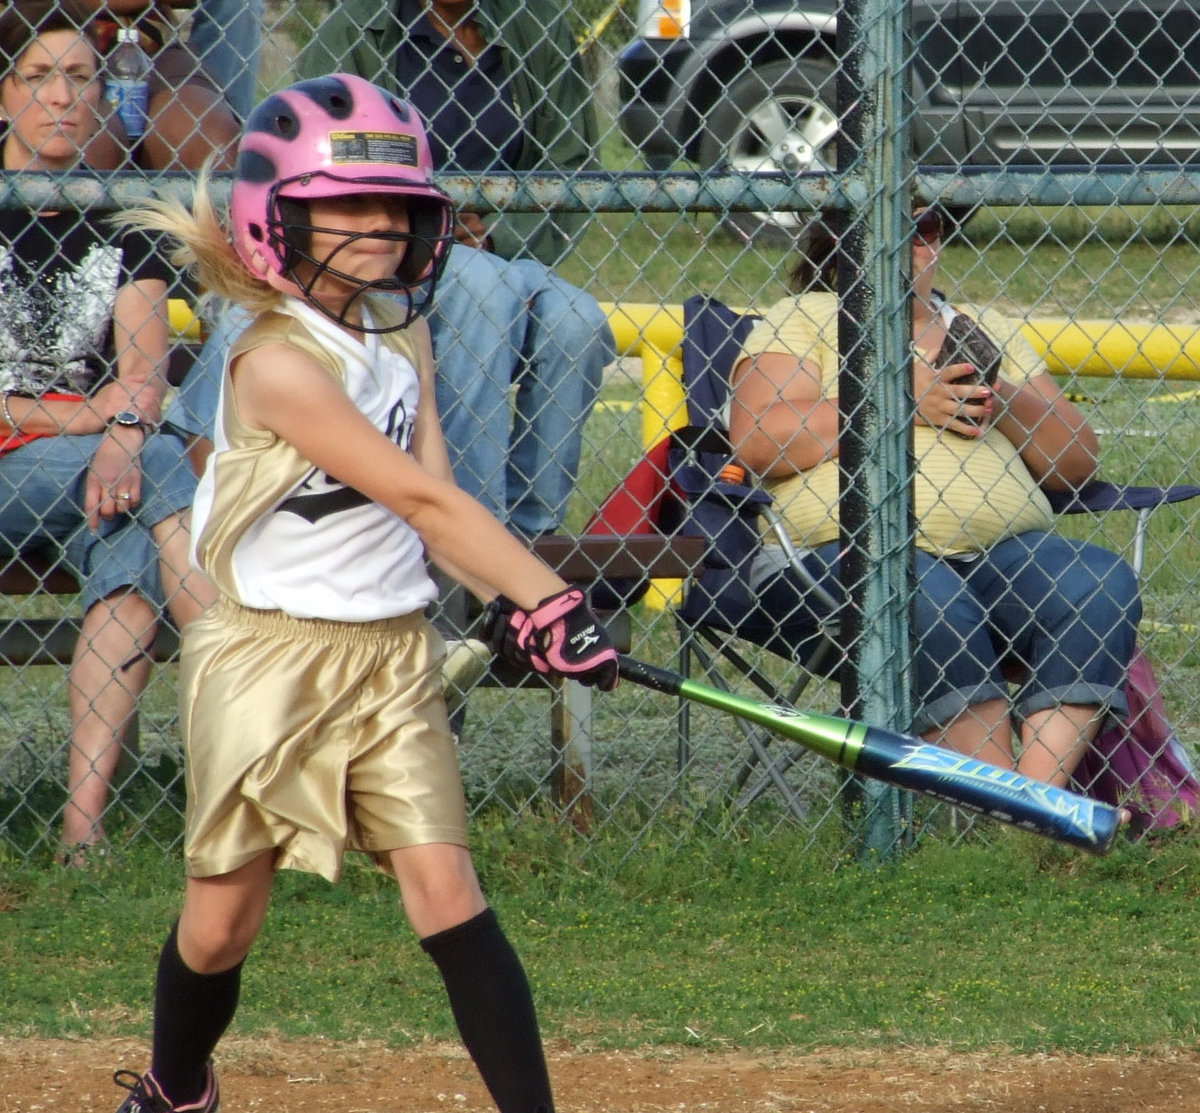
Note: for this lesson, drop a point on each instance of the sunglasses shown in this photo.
(929, 226)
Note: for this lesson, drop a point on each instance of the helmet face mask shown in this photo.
(333, 137)
(291, 234)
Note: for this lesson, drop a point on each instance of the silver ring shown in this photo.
(124, 495)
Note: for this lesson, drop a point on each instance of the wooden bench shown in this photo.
(580, 560)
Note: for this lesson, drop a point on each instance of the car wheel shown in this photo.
(781, 116)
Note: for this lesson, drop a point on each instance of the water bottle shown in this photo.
(127, 82)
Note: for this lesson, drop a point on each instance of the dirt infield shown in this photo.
(263, 1076)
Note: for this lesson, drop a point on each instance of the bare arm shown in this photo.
(778, 422)
(290, 395)
(140, 335)
(1054, 439)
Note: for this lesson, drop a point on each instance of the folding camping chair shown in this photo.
(719, 608)
(718, 612)
(684, 486)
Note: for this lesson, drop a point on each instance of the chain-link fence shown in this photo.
(618, 160)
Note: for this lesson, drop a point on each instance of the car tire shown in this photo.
(780, 116)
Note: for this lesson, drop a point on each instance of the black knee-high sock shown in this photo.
(191, 1013)
(493, 1008)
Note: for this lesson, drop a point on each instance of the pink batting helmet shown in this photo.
(334, 136)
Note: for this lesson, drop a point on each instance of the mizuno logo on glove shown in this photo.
(585, 639)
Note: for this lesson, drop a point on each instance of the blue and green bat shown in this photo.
(908, 762)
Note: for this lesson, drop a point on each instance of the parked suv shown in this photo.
(751, 85)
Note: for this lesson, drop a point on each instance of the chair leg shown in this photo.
(782, 763)
(683, 708)
(773, 765)
(757, 740)
(1139, 541)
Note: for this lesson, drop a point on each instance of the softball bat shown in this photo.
(907, 762)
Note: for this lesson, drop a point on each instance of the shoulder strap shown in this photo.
(274, 327)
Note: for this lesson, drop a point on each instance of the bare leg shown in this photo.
(223, 915)
(1053, 741)
(983, 731)
(109, 671)
(188, 592)
(199, 977)
(438, 886)
(485, 982)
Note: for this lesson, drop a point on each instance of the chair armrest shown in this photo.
(1101, 496)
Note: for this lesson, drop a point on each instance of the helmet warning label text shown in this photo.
(390, 148)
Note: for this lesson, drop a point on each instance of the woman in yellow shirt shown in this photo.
(996, 587)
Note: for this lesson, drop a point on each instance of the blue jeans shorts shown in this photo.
(1061, 615)
(41, 507)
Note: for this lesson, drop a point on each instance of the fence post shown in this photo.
(875, 341)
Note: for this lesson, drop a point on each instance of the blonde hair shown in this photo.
(203, 244)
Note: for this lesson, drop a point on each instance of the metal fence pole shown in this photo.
(874, 337)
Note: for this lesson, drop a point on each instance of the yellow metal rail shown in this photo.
(1086, 348)
(1109, 349)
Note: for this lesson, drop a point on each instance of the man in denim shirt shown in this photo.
(501, 87)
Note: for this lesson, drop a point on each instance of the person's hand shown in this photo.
(503, 622)
(120, 395)
(470, 230)
(560, 636)
(114, 481)
(951, 398)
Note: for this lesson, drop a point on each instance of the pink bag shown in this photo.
(1141, 763)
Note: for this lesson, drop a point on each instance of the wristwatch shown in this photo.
(131, 418)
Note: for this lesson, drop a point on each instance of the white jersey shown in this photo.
(275, 533)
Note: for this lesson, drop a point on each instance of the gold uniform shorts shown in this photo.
(311, 737)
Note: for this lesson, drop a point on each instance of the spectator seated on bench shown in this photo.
(84, 477)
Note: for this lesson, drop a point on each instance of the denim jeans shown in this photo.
(1064, 612)
(226, 36)
(41, 506)
(519, 357)
(193, 409)
(499, 325)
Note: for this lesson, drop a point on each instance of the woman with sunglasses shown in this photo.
(999, 594)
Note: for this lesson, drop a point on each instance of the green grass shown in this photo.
(1116, 271)
(737, 942)
(676, 923)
